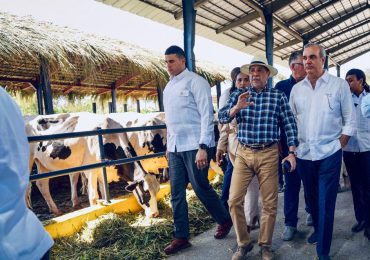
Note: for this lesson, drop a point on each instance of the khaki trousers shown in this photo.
(264, 165)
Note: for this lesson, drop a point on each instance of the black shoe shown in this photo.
(358, 227)
(367, 233)
(312, 239)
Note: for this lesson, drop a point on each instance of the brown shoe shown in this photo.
(176, 245)
(266, 253)
(223, 230)
(242, 251)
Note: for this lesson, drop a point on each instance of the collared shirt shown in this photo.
(360, 141)
(189, 112)
(259, 123)
(285, 86)
(224, 98)
(323, 114)
(365, 106)
(22, 236)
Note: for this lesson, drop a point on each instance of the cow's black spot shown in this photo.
(120, 153)
(157, 144)
(43, 149)
(110, 151)
(60, 150)
(131, 150)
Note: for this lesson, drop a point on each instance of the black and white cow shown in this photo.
(148, 141)
(73, 152)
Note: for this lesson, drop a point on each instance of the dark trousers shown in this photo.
(46, 256)
(291, 196)
(182, 171)
(226, 184)
(358, 168)
(320, 180)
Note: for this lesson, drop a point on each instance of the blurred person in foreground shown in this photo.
(22, 235)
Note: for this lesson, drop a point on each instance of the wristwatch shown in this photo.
(203, 146)
(293, 152)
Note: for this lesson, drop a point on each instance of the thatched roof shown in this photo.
(79, 63)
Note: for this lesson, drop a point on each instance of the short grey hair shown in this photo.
(322, 49)
(295, 55)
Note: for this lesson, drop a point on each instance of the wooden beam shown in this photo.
(28, 85)
(16, 79)
(120, 82)
(245, 19)
(178, 15)
(139, 86)
(104, 91)
(286, 28)
(68, 89)
(287, 44)
(311, 11)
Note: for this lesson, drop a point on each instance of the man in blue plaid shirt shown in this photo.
(258, 110)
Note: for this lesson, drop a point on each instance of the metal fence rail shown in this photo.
(104, 163)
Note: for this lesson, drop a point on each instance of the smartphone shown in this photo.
(286, 167)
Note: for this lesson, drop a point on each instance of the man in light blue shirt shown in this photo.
(365, 106)
(190, 142)
(322, 105)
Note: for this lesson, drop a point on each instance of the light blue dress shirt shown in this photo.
(189, 112)
(365, 106)
(323, 114)
(22, 236)
(360, 141)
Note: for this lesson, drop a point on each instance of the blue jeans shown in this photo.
(226, 184)
(182, 171)
(320, 180)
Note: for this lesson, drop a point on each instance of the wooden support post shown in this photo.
(44, 84)
(138, 106)
(125, 108)
(94, 107)
(40, 107)
(218, 93)
(160, 98)
(269, 39)
(189, 15)
(110, 107)
(114, 99)
(338, 70)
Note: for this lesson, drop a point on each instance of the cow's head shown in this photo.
(139, 182)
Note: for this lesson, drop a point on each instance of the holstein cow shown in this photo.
(147, 141)
(73, 152)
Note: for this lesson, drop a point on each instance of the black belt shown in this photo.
(258, 146)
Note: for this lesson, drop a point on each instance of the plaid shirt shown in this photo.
(259, 123)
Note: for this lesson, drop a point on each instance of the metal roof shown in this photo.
(341, 26)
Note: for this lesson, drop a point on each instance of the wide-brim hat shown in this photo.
(261, 61)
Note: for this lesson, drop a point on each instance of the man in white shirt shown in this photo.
(22, 236)
(190, 141)
(322, 105)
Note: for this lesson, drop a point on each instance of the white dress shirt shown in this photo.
(22, 236)
(323, 114)
(189, 112)
(365, 106)
(224, 98)
(360, 141)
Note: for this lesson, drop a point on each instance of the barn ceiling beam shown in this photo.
(335, 22)
(28, 85)
(316, 32)
(351, 49)
(178, 15)
(68, 90)
(139, 86)
(257, 13)
(311, 11)
(346, 43)
(259, 37)
(354, 57)
(354, 26)
(122, 81)
(17, 79)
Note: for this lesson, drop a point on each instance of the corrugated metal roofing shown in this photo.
(342, 26)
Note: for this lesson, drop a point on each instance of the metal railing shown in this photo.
(104, 162)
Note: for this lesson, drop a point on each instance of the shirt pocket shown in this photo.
(330, 103)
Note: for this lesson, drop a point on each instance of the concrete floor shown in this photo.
(345, 244)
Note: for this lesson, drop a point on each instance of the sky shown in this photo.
(94, 17)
